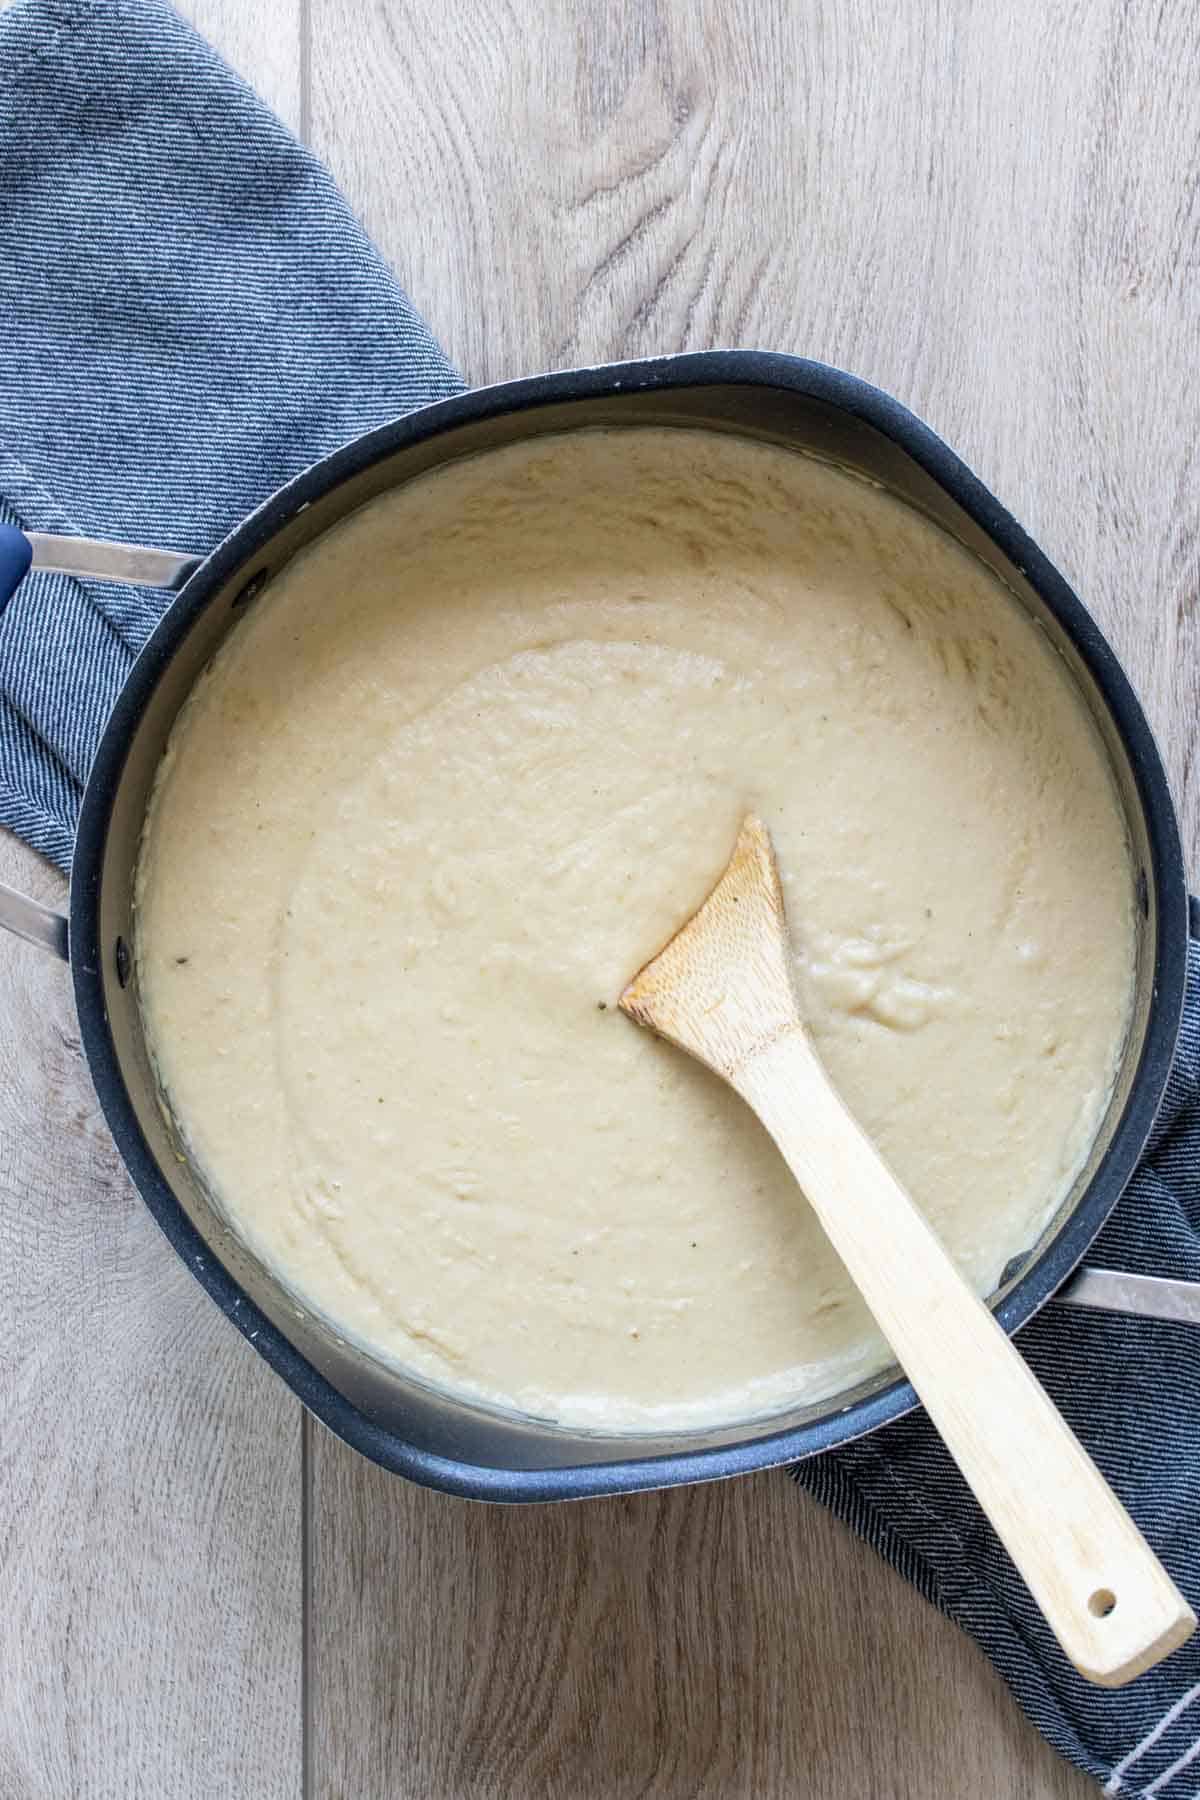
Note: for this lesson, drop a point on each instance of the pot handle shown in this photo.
(36, 923)
(94, 559)
(1142, 1296)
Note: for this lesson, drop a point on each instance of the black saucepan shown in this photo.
(395, 1418)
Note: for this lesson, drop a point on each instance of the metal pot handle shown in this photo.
(36, 923)
(93, 559)
(97, 560)
(1141, 1296)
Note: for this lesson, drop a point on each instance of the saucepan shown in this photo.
(400, 1421)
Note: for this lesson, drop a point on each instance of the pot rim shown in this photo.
(1045, 1272)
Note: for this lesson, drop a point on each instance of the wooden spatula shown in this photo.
(722, 990)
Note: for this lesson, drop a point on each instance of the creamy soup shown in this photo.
(469, 761)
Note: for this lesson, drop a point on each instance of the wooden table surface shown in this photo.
(989, 208)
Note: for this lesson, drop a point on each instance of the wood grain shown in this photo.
(989, 209)
(723, 1641)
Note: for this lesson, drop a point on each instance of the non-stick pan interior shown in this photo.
(392, 1408)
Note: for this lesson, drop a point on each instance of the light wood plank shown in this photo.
(723, 1641)
(150, 1488)
(989, 211)
(150, 1563)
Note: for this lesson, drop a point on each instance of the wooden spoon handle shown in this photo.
(1105, 1595)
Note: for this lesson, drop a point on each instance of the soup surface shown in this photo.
(466, 765)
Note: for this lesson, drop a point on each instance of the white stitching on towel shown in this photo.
(1113, 1784)
(1181, 1762)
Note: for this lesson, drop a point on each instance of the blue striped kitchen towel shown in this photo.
(188, 315)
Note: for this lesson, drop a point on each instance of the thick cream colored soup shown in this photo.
(469, 761)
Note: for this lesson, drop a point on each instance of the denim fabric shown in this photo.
(188, 316)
